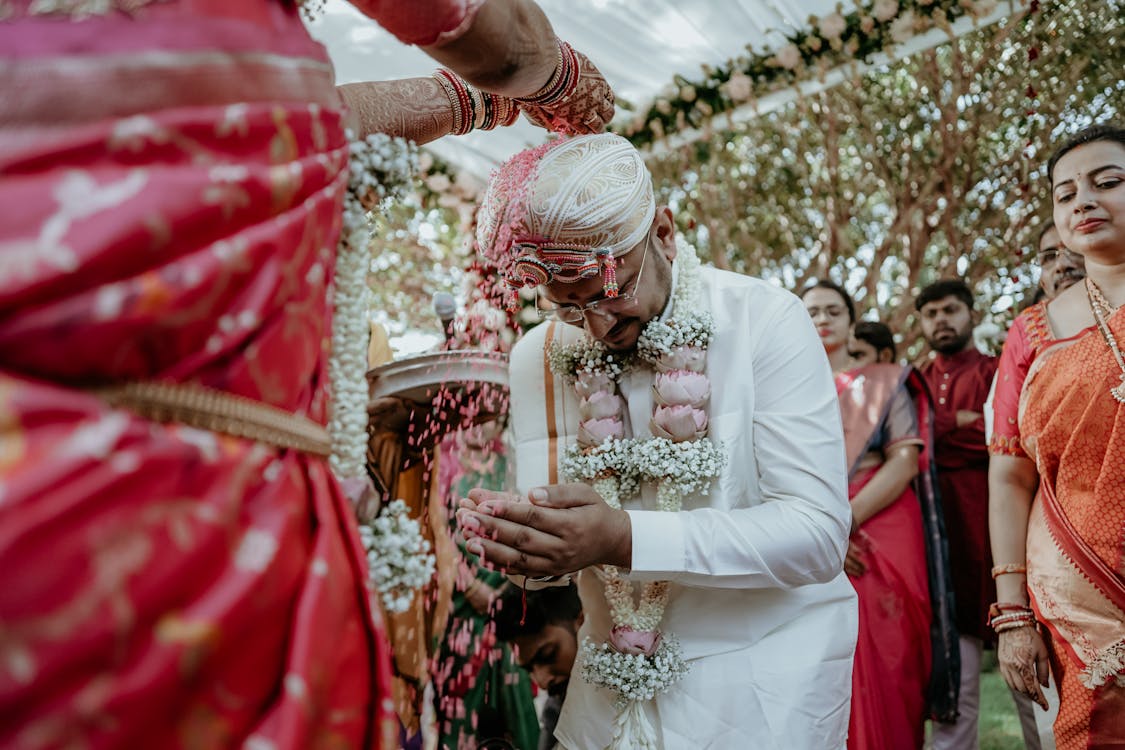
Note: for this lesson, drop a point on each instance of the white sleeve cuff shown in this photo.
(658, 544)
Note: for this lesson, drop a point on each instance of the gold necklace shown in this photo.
(1101, 309)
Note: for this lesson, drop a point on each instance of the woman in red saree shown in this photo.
(906, 661)
(1055, 479)
(171, 182)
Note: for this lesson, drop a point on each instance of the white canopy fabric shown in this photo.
(639, 46)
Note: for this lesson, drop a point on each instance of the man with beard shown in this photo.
(676, 431)
(959, 378)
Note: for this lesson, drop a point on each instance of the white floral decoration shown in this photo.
(379, 169)
(586, 355)
(634, 677)
(661, 337)
(311, 9)
(398, 556)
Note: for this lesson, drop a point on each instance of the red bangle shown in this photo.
(562, 82)
(464, 110)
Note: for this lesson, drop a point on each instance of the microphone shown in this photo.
(446, 309)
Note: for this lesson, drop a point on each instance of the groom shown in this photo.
(755, 603)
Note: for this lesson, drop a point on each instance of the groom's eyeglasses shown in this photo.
(606, 306)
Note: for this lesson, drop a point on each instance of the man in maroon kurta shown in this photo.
(959, 379)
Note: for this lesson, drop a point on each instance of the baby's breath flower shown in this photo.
(397, 555)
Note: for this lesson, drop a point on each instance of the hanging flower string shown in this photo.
(380, 169)
(638, 662)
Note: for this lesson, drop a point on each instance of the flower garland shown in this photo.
(639, 662)
(831, 40)
(380, 168)
(398, 556)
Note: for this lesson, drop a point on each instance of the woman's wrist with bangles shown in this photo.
(472, 108)
(1005, 616)
(1004, 627)
(562, 83)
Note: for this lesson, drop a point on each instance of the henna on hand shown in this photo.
(1022, 655)
(587, 110)
(413, 108)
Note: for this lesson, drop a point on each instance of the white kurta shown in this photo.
(759, 602)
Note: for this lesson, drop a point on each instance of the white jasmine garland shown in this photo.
(380, 168)
(639, 662)
(398, 556)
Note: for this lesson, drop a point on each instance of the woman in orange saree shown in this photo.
(1061, 479)
(907, 658)
(171, 181)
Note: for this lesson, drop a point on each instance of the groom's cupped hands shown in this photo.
(557, 529)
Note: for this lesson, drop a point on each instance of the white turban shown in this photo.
(590, 195)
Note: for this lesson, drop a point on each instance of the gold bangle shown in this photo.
(1001, 570)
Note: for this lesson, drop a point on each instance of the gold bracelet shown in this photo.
(1002, 570)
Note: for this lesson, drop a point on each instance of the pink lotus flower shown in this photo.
(589, 383)
(681, 387)
(682, 358)
(600, 404)
(595, 431)
(678, 423)
(625, 640)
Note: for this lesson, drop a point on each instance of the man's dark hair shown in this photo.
(877, 334)
(1092, 134)
(942, 289)
(554, 605)
(826, 284)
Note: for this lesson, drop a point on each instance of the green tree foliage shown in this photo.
(928, 168)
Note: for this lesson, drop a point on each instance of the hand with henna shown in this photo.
(1023, 662)
(587, 110)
